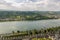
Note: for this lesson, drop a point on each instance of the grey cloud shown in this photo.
(19, 1)
(36, 0)
(56, 0)
(31, 4)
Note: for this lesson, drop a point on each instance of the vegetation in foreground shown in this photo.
(52, 30)
(41, 39)
(43, 34)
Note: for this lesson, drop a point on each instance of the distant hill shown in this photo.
(28, 12)
(29, 15)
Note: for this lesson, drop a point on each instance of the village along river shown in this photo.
(7, 27)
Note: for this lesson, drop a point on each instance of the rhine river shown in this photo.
(7, 27)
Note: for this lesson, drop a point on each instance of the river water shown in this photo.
(6, 27)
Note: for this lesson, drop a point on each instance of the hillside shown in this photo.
(28, 15)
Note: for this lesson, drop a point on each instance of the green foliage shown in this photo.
(41, 39)
(42, 31)
(23, 15)
(18, 31)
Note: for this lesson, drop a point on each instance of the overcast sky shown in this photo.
(30, 5)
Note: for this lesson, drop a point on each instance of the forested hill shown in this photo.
(28, 15)
(17, 13)
(27, 12)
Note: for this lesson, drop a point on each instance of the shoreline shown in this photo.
(26, 20)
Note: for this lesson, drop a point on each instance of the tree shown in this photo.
(18, 31)
(34, 31)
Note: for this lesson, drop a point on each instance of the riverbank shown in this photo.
(25, 20)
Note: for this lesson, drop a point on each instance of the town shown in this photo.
(43, 34)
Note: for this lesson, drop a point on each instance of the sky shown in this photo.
(30, 5)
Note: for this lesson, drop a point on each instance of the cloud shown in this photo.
(28, 5)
